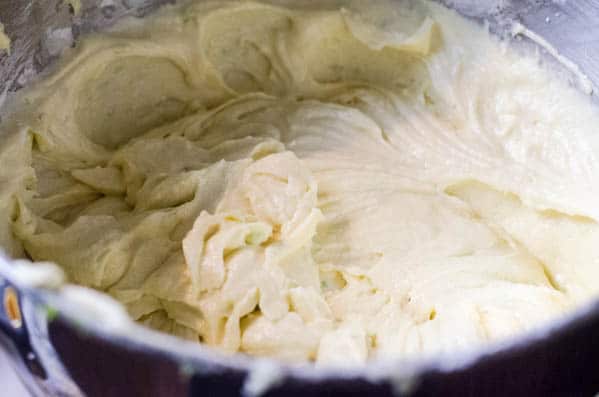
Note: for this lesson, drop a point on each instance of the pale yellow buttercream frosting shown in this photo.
(329, 183)
(4, 40)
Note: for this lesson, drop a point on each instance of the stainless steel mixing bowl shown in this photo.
(60, 350)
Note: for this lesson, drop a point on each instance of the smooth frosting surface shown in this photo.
(330, 183)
